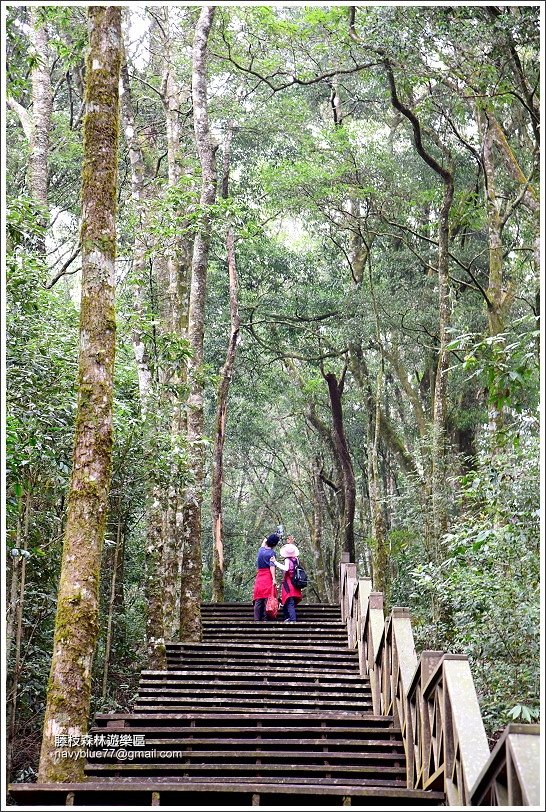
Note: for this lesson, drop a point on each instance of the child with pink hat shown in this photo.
(290, 594)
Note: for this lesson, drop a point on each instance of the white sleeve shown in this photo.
(282, 567)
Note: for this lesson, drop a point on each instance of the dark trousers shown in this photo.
(289, 609)
(259, 609)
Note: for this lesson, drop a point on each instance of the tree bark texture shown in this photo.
(42, 106)
(500, 295)
(136, 159)
(439, 420)
(335, 391)
(190, 597)
(222, 399)
(178, 252)
(380, 556)
(19, 580)
(76, 622)
(323, 581)
(112, 600)
(155, 627)
(336, 506)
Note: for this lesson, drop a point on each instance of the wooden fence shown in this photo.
(433, 700)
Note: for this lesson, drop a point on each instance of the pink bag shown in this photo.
(272, 605)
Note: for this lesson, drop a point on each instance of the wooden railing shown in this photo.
(434, 701)
(511, 776)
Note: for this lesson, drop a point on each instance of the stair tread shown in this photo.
(282, 704)
(261, 689)
(251, 674)
(260, 753)
(330, 786)
(91, 767)
(252, 731)
(210, 646)
(319, 717)
(190, 741)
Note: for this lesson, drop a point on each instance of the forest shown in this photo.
(267, 265)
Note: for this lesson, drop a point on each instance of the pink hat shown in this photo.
(289, 551)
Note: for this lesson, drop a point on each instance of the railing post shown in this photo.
(512, 775)
(364, 591)
(405, 657)
(461, 713)
(352, 583)
(343, 600)
(426, 666)
(377, 624)
(404, 662)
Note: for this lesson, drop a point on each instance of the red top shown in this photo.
(263, 585)
(288, 590)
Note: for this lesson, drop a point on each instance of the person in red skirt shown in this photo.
(264, 584)
(290, 594)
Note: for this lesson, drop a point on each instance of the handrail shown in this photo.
(509, 778)
(433, 700)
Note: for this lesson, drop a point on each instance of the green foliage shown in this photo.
(506, 363)
(487, 584)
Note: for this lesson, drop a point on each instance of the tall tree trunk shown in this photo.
(499, 295)
(178, 268)
(380, 556)
(15, 575)
(336, 507)
(154, 538)
(18, 618)
(389, 435)
(136, 159)
(322, 579)
(190, 596)
(155, 628)
(222, 401)
(42, 105)
(76, 622)
(112, 601)
(439, 418)
(335, 391)
(439, 413)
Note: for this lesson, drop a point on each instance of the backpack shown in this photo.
(299, 576)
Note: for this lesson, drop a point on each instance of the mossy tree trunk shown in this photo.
(15, 618)
(42, 106)
(154, 538)
(179, 256)
(138, 194)
(36, 121)
(223, 392)
(336, 505)
(76, 622)
(190, 594)
(348, 483)
(500, 296)
(323, 583)
(439, 415)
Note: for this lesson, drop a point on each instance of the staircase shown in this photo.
(257, 714)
